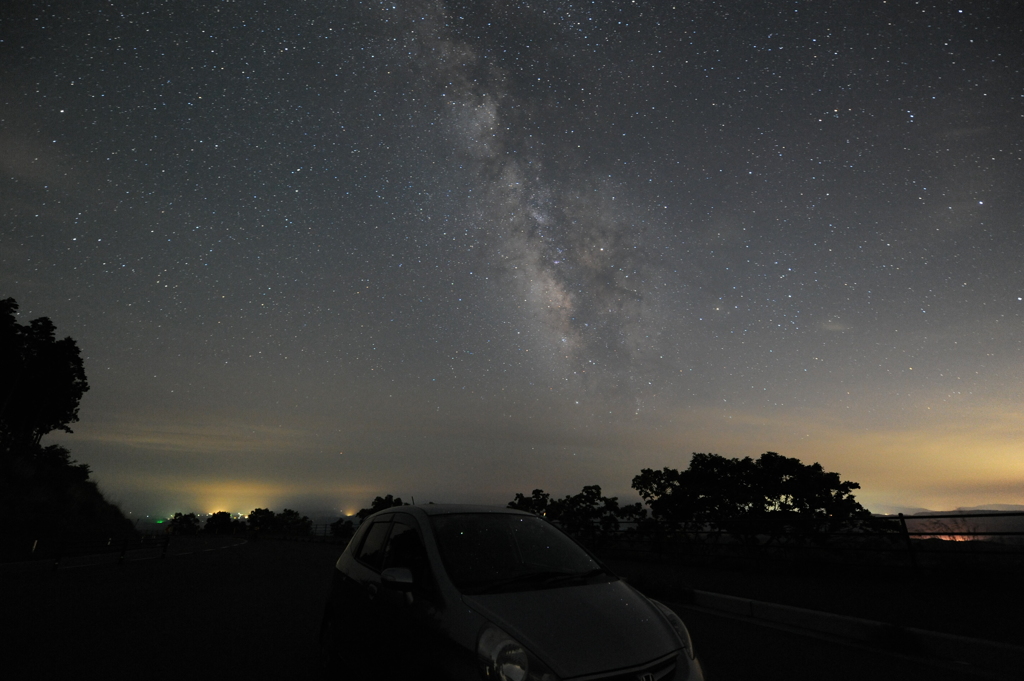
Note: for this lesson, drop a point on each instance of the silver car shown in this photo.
(480, 593)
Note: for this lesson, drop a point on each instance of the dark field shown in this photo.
(252, 612)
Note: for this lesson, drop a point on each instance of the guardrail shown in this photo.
(24, 548)
(916, 540)
(318, 533)
(59, 549)
(957, 533)
(57, 553)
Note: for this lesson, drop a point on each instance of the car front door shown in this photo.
(409, 614)
(363, 623)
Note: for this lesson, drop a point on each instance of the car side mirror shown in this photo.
(397, 578)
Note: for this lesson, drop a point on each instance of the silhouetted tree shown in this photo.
(221, 522)
(379, 504)
(42, 380)
(342, 529)
(712, 489)
(43, 491)
(587, 515)
(293, 523)
(260, 520)
(55, 463)
(536, 503)
(184, 523)
(773, 496)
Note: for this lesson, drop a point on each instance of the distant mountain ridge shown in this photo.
(994, 507)
(968, 526)
(917, 510)
(991, 508)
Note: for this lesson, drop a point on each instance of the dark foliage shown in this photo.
(772, 499)
(774, 496)
(587, 515)
(261, 520)
(221, 522)
(289, 522)
(379, 504)
(184, 524)
(342, 529)
(292, 523)
(537, 503)
(42, 380)
(43, 491)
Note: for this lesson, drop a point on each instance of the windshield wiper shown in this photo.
(573, 576)
(528, 578)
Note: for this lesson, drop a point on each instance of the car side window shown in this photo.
(371, 553)
(405, 548)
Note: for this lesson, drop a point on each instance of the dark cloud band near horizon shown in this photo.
(314, 253)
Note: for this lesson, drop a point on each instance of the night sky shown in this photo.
(314, 252)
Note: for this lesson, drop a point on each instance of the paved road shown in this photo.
(253, 612)
(733, 650)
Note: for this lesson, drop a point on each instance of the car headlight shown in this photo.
(502, 658)
(678, 625)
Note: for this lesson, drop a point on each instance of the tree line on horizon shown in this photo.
(261, 520)
(774, 496)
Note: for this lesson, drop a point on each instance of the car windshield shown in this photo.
(494, 552)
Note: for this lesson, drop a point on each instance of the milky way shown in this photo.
(317, 251)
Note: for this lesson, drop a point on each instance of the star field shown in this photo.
(315, 252)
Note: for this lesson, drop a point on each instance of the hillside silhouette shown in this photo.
(43, 491)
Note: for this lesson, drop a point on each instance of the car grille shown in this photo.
(663, 669)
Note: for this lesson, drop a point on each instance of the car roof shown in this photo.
(443, 509)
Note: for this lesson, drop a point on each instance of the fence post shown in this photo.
(906, 538)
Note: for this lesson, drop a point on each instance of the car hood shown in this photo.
(578, 630)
